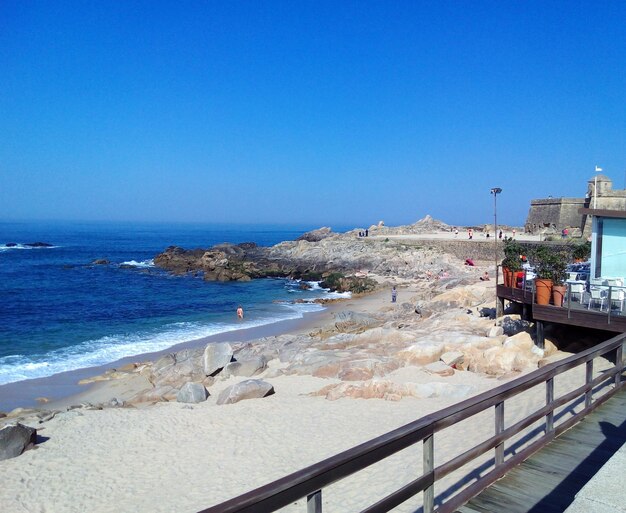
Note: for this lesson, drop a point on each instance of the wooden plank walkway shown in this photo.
(548, 481)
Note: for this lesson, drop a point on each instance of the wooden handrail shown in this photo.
(309, 481)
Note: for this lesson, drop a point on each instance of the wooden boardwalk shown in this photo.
(548, 481)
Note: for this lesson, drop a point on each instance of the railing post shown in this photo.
(429, 466)
(314, 502)
(608, 307)
(588, 379)
(569, 300)
(549, 400)
(499, 428)
(619, 364)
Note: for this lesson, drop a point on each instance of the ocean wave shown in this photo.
(108, 349)
(143, 264)
(4, 247)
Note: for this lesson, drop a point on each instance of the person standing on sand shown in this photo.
(239, 312)
(394, 294)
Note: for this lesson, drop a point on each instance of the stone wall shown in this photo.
(552, 215)
(483, 250)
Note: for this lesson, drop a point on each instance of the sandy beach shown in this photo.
(171, 456)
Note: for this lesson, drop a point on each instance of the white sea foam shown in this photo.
(143, 264)
(4, 247)
(111, 348)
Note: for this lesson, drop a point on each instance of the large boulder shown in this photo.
(216, 356)
(421, 353)
(514, 326)
(192, 393)
(249, 389)
(452, 358)
(15, 439)
(249, 367)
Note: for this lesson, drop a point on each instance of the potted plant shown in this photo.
(543, 266)
(511, 263)
(582, 252)
(559, 267)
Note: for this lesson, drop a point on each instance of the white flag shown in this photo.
(598, 168)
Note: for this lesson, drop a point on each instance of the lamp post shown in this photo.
(495, 191)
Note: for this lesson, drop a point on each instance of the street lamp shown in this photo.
(495, 191)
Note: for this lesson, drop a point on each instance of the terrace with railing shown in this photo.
(426, 490)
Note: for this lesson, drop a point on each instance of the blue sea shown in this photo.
(60, 312)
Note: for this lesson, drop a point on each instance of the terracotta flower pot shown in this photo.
(558, 294)
(506, 276)
(544, 291)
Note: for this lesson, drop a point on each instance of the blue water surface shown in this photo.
(59, 311)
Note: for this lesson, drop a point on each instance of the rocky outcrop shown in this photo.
(15, 439)
(316, 235)
(353, 322)
(38, 245)
(316, 255)
(249, 389)
(390, 391)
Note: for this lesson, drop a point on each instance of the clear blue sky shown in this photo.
(311, 112)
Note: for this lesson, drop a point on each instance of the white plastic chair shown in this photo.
(598, 294)
(617, 297)
(577, 289)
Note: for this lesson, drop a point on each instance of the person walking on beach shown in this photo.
(394, 294)
(513, 232)
(500, 235)
(239, 312)
(456, 233)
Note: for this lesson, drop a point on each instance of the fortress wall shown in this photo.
(554, 214)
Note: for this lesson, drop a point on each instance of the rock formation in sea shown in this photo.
(344, 260)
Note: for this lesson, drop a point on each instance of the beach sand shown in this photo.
(179, 457)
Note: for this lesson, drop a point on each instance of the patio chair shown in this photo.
(617, 297)
(597, 294)
(577, 289)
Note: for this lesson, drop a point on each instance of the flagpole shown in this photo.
(595, 187)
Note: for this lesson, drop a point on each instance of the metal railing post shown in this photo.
(314, 502)
(429, 466)
(569, 300)
(588, 379)
(549, 400)
(619, 363)
(608, 306)
(499, 410)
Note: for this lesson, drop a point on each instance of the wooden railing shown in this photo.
(310, 482)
